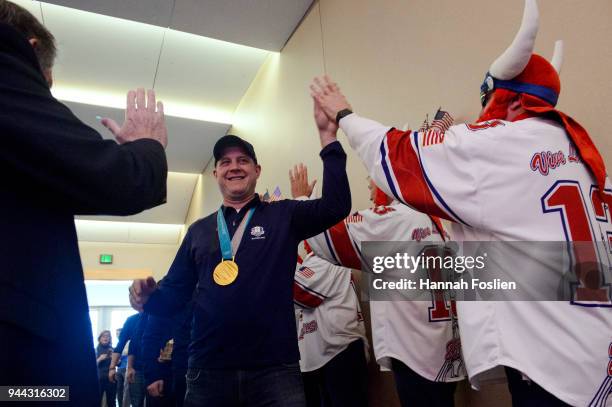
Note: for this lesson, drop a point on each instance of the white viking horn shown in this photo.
(515, 58)
(557, 59)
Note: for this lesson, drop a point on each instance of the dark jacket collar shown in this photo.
(14, 43)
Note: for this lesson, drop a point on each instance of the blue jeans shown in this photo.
(120, 380)
(138, 389)
(274, 386)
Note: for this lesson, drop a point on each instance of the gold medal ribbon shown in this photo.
(226, 272)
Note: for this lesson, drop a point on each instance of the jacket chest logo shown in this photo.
(257, 232)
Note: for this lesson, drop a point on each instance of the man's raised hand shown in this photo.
(327, 127)
(144, 118)
(327, 94)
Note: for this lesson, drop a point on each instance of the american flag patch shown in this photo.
(433, 136)
(355, 218)
(306, 272)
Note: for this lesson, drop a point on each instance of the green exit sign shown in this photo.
(106, 259)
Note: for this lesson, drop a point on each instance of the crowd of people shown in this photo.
(241, 318)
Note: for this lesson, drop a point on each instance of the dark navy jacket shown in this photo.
(251, 322)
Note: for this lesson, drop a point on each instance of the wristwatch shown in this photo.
(341, 114)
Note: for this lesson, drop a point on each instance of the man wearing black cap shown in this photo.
(241, 262)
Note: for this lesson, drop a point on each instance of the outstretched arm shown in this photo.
(312, 217)
(434, 173)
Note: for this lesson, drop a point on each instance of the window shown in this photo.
(109, 306)
(93, 316)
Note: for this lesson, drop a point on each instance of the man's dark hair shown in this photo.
(24, 22)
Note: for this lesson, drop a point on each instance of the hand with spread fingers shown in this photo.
(144, 118)
(328, 96)
(140, 291)
(299, 181)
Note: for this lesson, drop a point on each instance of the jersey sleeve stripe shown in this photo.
(412, 185)
(451, 214)
(330, 247)
(306, 297)
(357, 249)
(387, 171)
(344, 247)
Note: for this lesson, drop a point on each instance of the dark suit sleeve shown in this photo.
(55, 158)
(312, 217)
(176, 289)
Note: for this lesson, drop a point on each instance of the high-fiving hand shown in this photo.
(328, 96)
(144, 118)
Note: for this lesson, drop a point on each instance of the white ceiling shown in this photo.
(106, 55)
(265, 24)
(107, 47)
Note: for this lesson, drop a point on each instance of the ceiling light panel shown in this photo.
(127, 232)
(101, 54)
(100, 58)
(199, 71)
(156, 12)
(265, 24)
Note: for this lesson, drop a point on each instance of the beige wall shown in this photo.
(397, 60)
(206, 197)
(128, 256)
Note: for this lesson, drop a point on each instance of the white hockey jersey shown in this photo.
(510, 181)
(328, 315)
(418, 333)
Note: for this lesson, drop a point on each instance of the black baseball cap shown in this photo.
(232, 141)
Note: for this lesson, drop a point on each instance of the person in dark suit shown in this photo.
(54, 167)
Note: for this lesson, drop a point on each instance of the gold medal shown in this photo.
(226, 272)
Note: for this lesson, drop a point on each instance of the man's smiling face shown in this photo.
(236, 174)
